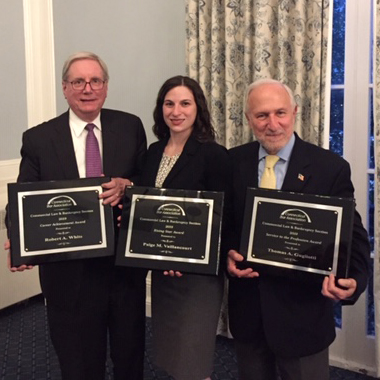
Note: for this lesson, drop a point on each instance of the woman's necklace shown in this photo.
(166, 165)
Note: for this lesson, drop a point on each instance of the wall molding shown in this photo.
(8, 173)
(39, 61)
(351, 366)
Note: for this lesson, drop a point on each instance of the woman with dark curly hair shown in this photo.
(185, 307)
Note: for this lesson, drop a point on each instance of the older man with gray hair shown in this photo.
(280, 324)
(90, 300)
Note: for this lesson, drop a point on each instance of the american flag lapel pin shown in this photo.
(301, 177)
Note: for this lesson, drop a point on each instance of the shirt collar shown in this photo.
(78, 124)
(284, 153)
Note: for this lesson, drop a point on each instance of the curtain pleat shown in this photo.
(231, 43)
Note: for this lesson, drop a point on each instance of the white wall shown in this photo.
(12, 79)
(143, 44)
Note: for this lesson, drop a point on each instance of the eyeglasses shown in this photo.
(80, 84)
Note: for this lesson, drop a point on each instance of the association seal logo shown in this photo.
(171, 209)
(295, 215)
(61, 201)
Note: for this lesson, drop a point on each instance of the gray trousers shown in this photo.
(262, 364)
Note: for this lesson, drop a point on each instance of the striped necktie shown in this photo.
(93, 160)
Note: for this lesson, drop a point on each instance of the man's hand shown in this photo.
(234, 271)
(114, 190)
(7, 247)
(330, 290)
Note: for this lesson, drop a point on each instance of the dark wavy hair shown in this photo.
(203, 130)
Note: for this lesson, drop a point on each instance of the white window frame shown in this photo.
(353, 348)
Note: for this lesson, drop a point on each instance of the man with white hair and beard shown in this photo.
(280, 324)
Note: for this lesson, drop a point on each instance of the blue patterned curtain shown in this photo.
(231, 43)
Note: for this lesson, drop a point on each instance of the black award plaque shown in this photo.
(59, 220)
(299, 235)
(170, 230)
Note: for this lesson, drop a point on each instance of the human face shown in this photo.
(85, 103)
(271, 116)
(179, 111)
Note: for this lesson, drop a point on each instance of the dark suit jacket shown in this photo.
(293, 316)
(201, 166)
(48, 154)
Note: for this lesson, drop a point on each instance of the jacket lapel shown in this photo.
(298, 173)
(63, 144)
(109, 138)
(189, 151)
(250, 165)
(154, 159)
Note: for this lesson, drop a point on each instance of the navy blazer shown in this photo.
(294, 317)
(48, 154)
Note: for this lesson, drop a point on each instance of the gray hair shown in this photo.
(264, 81)
(84, 55)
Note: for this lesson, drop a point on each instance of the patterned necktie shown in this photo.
(268, 179)
(93, 160)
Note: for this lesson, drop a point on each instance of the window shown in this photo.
(341, 87)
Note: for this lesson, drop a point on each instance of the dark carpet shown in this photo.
(26, 352)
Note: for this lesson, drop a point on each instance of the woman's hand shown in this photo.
(173, 273)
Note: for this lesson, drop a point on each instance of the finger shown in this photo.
(345, 289)
(330, 283)
(247, 273)
(330, 290)
(244, 274)
(21, 268)
(339, 294)
(236, 272)
(9, 261)
(235, 255)
(231, 267)
(325, 287)
(108, 193)
(7, 245)
(112, 196)
(115, 202)
(109, 185)
(112, 200)
(348, 283)
(106, 201)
